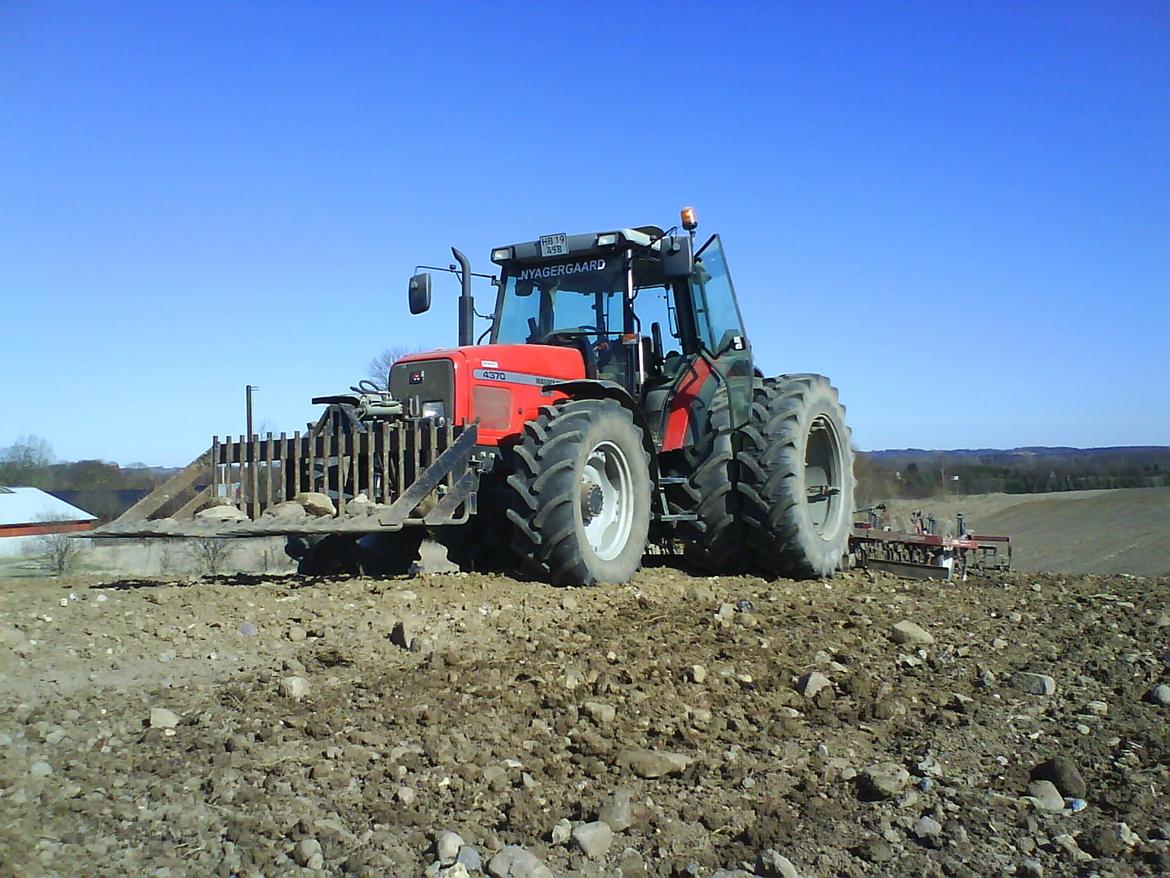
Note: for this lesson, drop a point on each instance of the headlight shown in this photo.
(433, 409)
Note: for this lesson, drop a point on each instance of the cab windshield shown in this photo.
(577, 297)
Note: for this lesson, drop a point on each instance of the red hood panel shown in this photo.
(502, 385)
(550, 361)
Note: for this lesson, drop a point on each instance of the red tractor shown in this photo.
(615, 404)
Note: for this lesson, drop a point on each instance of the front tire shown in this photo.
(580, 494)
(807, 464)
(389, 554)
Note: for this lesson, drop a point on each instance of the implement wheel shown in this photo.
(580, 494)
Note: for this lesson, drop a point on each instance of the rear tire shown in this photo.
(580, 494)
(721, 475)
(803, 529)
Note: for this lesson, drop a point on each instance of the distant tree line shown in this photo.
(100, 488)
(914, 473)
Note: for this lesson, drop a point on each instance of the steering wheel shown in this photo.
(365, 386)
(602, 348)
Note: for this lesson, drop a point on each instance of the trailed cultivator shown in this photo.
(924, 554)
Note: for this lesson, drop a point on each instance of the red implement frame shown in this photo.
(929, 556)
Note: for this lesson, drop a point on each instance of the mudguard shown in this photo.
(597, 388)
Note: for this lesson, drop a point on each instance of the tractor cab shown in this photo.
(645, 311)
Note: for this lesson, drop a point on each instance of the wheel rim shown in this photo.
(607, 500)
(822, 474)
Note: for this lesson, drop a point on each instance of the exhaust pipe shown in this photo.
(466, 302)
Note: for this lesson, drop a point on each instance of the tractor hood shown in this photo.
(500, 385)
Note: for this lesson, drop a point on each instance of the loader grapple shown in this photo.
(380, 476)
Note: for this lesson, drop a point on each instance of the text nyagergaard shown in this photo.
(563, 269)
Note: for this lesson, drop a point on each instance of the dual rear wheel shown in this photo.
(774, 497)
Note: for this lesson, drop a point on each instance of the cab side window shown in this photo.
(714, 298)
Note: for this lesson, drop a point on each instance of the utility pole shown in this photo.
(248, 390)
(248, 470)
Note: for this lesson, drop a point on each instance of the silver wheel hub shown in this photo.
(592, 501)
(607, 500)
(822, 474)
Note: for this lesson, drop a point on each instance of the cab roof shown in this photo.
(645, 238)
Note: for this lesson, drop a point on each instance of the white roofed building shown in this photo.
(27, 513)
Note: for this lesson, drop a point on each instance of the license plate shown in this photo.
(554, 245)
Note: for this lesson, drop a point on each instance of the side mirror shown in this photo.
(420, 293)
(677, 258)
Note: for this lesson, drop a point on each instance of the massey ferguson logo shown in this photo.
(417, 376)
(560, 270)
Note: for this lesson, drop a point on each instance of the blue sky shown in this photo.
(960, 212)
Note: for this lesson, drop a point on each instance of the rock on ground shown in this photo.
(602, 714)
(161, 718)
(926, 827)
(469, 858)
(1046, 795)
(772, 864)
(1064, 774)
(40, 768)
(618, 810)
(594, 839)
(316, 503)
(911, 632)
(811, 683)
(404, 634)
(448, 845)
(1034, 684)
(562, 831)
(882, 780)
(287, 510)
(515, 862)
(221, 514)
(294, 687)
(308, 854)
(653, 763)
